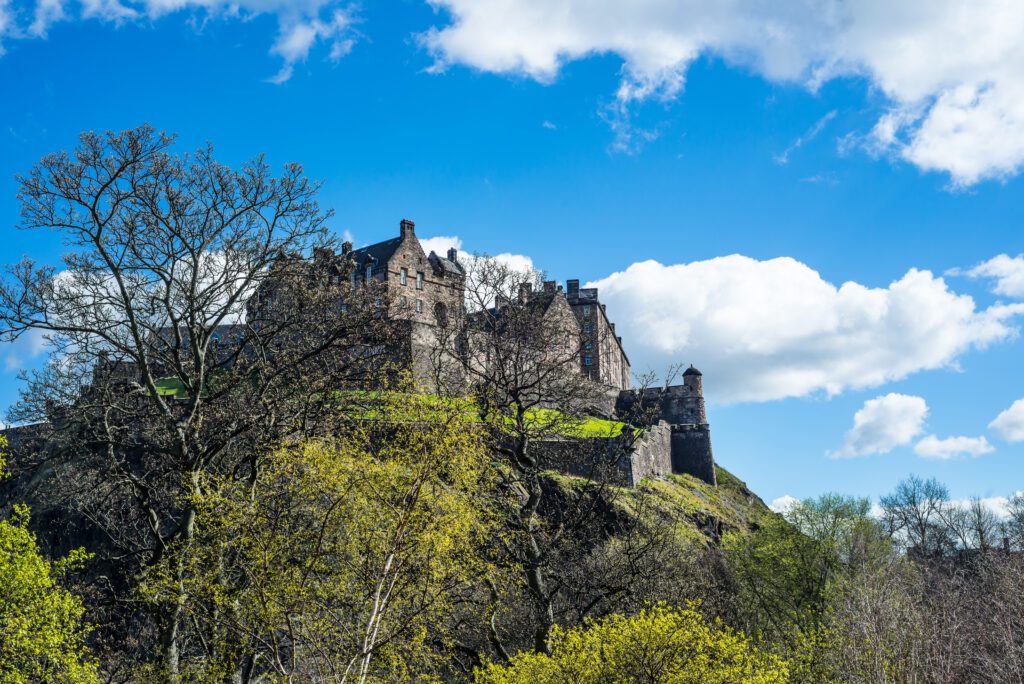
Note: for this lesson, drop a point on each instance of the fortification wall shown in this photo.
(620, 460)
(691, 452)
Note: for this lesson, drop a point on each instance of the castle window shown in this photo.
(369, 273)
(588, 360)
(403, 276)
(588, 345)
(419, 280)
(441, 314)
(586, 310)
(344, 307)
(588, 327)
(353, 279)
(419, 306)
(403, 302)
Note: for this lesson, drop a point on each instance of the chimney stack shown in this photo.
(573, 286)
(453, 255)
(407, 228)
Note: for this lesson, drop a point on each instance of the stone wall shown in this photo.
(691, 452)
(620, 460)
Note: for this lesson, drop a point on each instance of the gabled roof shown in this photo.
(445, 265)
(378, 253)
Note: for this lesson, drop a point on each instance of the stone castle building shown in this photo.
(424, 292)
(427, 291)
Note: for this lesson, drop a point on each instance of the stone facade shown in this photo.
(602, 357)
(424, 291)
(682, 407)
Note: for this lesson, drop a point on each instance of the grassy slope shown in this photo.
(699, 511)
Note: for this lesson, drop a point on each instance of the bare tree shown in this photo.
(186, 332)
(913, 515)
(518, 351)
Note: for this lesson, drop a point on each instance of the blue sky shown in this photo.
(761, 160)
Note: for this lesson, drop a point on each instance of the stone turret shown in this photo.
(682, 407)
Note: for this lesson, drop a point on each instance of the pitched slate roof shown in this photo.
(378, 253)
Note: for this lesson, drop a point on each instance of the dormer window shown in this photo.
(403, 276)
(419, 280)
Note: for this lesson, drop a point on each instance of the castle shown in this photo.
(425, 291)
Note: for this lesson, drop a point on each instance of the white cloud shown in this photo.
(442, 243)
(951, 447)
(549, 125)
(1010, 423)
(19, 353)
(998, 505)
(1007, 271)
(951, 72)
(813, 132)
(783, 503)
(302, 24)
(883, 424)
(773, 329)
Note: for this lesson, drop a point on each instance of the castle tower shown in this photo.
(692, 379)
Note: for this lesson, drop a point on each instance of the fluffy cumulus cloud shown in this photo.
(1007, 273)
(1010, 423)
(442, 243)
(775, 328)
(952, 447)
(783, 503)
(951, 71)
(302, 24)
(883, 424)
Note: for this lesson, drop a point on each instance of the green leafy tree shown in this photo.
(41, 628)
(342, 559)
(661, 645)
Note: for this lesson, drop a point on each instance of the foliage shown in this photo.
(343, 555)
(661, 645)
(41, 628)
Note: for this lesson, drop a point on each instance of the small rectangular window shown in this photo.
(588, 327)
(419, 280)
(586, 311)
(588, 345)
(419, 306)
(353, 278)
(403, 276)
(402, 301)
(588, 360)
(369, 273)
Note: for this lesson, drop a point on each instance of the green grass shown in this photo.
(687, 502)
(366, 405)
(170, 387)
